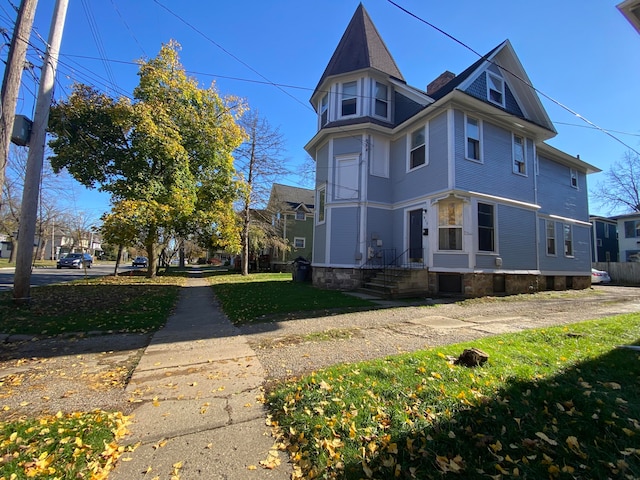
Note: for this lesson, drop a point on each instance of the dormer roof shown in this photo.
(360, 47)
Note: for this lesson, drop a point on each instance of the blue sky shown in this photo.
(582, 53)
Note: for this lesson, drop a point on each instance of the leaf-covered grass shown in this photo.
(249, 299)
(113, 304)
(550, 403)
(77, 445)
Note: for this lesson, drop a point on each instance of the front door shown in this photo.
(415, 236)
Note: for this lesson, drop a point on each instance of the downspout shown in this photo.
(536, 167)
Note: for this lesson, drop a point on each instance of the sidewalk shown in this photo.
(198, 383)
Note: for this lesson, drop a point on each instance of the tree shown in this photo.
(157, 155)
(259, 159)
(621, 188)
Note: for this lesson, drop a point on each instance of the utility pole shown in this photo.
(13, 77)
(31, 191)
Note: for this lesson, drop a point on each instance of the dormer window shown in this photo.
(324, 110)
(495, 89)
(349, 98)
(381, 99)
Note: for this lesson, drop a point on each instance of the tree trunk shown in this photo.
(118, 258)
(150, 245)
(245, 240)
(12, 255)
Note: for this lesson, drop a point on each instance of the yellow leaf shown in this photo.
(156, 403)
(252, 467)
(612, 385)
(546, 439)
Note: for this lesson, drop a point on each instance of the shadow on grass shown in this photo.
(582, 424)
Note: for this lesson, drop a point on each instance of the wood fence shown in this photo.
(624, 273)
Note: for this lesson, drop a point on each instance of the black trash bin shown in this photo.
(301, 270)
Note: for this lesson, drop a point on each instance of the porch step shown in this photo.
(396, 283)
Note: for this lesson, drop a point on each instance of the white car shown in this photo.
(599, 276)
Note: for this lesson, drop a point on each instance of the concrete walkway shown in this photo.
(198, 383)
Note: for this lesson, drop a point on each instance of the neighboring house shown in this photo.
(629, 236)
(453, 184)
(631, 10)
(604, 239)
(293, 215)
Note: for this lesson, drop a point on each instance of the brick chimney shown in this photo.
(440, 82)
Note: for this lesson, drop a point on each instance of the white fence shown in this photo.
(625, 273)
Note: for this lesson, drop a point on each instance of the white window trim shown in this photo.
(495, 228)
(374, 99)
(380, 147)
(466, 140)
(555, 238)
(357, 97)
(304, 242)
(491, 75)
(321, 208)
(524, 155)
(462, 248)
(321, 111)
(426, 148)
(564, 240)
(304, 216)
(573, 174)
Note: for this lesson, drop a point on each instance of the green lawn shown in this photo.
(555, 403)
(264, 297)
(118, 304)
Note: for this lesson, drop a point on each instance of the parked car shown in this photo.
(140, 262)
(599, 276)
(75, 260)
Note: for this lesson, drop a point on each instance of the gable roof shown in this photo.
(504, 57)
(293, 197)
(361, 46)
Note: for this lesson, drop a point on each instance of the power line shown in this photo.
(548, 97)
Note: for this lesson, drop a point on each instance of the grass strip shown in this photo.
(257, 297)
(560, 402)
(107, 304)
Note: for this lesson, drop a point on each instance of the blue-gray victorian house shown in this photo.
(448, 190)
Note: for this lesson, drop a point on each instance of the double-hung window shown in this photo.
(486, 228)
(381, 100)
(473, 139)
(519, 159)
(551, 237)
(450, 225)
(299, 242)
(495, 89)
(322, 197)
(568, 240)
(349, 98)
(324, 110)
(573, 174)
(418, 151)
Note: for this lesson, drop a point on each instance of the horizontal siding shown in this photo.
(379, 225)
(322, 164)
(495, 175)
(517, 238)
(429, 178)
(450, 260)
(486, 261)
(320, 243)
(555, 193)
(347, 145)
(581, 260)
(344, 235)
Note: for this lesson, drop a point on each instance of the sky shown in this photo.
(581, 54)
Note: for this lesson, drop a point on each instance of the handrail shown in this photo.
(378, 261)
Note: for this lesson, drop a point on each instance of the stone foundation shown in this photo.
(464, 284)
(336, 278)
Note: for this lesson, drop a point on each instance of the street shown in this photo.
(51, 275)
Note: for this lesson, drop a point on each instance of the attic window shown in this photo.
(324, 110)
(381, 107)
(495, 89)
(349, 98)
(574, 177)
(300, 215)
